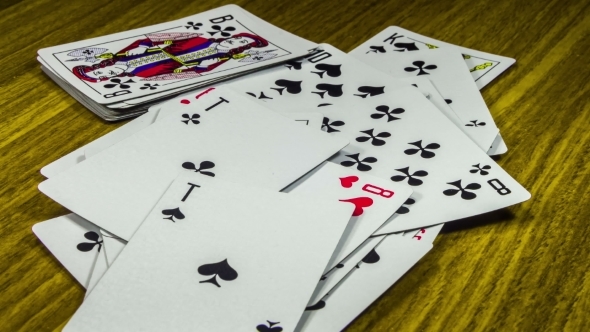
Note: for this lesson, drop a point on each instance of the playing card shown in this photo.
(484, 67)
(101, 266)
(73, 241)
(427, 234)
(451, 177)
(331, 278)
(448, 72)
(100, 110)
(395, 134)
(229, 138)
(380, 269)
(99, 144)
(190, 100)
(375, 200)
(200, 48)
(113, 246)
(498, 147)
(333, 79)
(203, 260)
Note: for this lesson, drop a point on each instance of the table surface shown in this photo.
(524, 268)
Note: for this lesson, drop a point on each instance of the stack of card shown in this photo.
(288, 199)
(120, 75)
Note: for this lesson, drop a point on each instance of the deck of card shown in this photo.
(120, 75)
(269, 183)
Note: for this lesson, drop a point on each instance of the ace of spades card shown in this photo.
(204, 47)
(333, 78)
(220, 257)
(226, 137)
(394, 134)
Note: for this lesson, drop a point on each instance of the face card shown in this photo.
(131, 176)
(73, 241)
(386, 264)
(331, 79)
(484, 67)
(203, 250)
(447, 71)
(375, 200)
(207, 46)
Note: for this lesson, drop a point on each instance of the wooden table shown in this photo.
(525, 268)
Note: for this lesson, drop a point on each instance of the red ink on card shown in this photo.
(378, 191)
(348, 181)
(185, 101)
(204, 92)
(359, 204)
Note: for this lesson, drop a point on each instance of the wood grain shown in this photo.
(524, 268)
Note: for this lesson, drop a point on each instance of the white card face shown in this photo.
(203, 250)
(101, 266)
(310, 119)
(451, 177)
(113, 246)
(97, 145)
(388, 262)
(244, 143)
(73, 241)
(395, 134)
(200, 48)
(330, 279)
(484, 67)
(333, 79)
(190, 100)
(375, 201)
(449, 74)
(498, 147)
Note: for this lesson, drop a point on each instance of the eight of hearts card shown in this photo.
(374, 199)
(229, 137)
(205, 254)
(204, 47)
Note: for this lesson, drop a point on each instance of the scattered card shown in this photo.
(484, 67)
(131, 176)
(203, 250)
(74, 242)
(380, 269)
